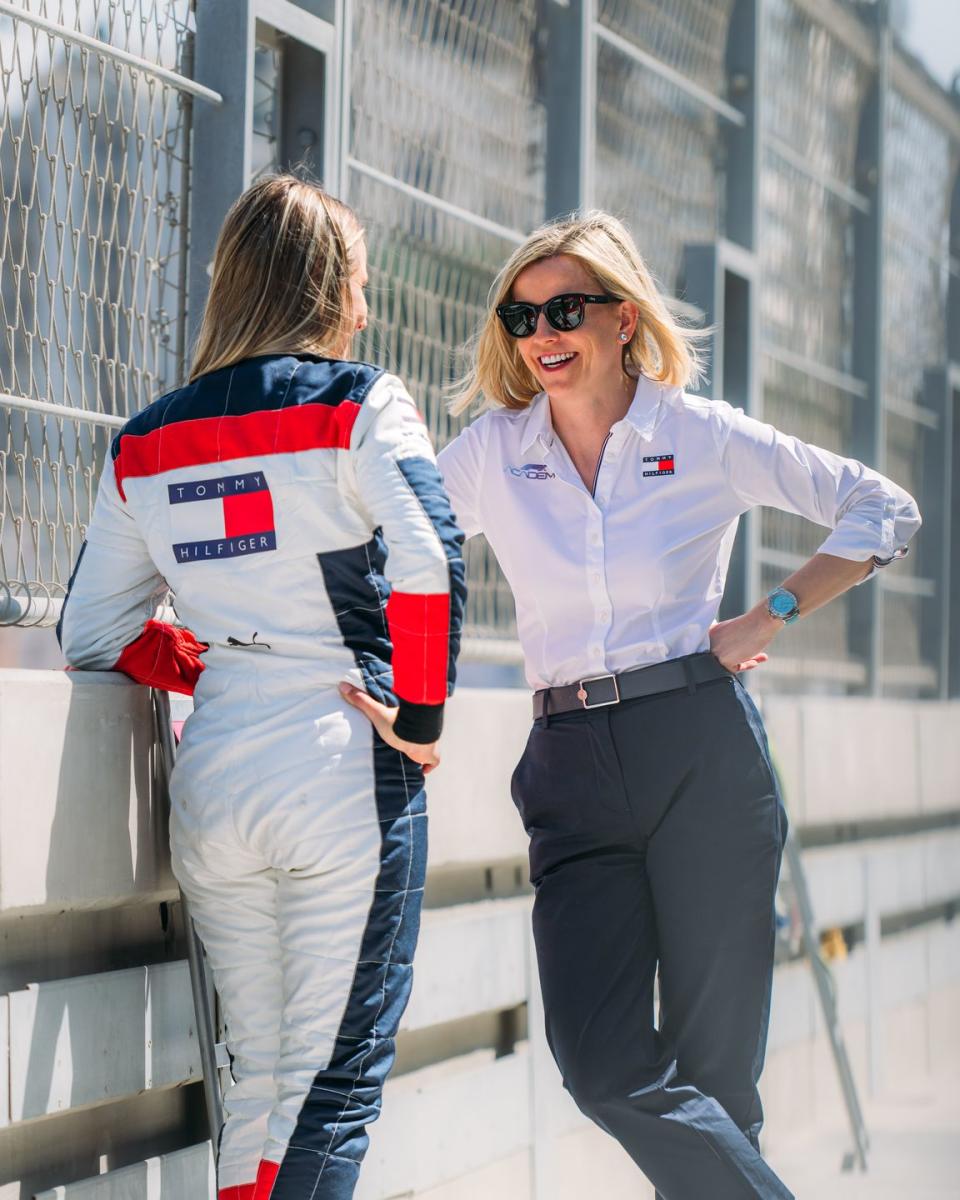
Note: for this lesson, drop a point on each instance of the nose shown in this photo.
(543, 327)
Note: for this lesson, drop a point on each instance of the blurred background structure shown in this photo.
(790, 170)
(788, 167)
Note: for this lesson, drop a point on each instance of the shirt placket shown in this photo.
(596, 552)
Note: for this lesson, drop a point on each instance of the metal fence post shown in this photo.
(950, 607)
(869, 426)
(722, 279)
(221, 136)
(873, 977)
(743, 143)
(565, 75)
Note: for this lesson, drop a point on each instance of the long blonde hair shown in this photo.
(661, 348)
(280, 275)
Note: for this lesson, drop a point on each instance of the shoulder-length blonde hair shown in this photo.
(661, 348)
(280, 275)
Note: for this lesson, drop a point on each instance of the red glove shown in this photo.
(165, 657)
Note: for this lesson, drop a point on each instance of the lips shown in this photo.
(556, 362)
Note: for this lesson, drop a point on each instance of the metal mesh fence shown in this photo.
(267, 65)
(451, 109)
(445, 160)
(92, 179)
(656, 146)
(814, 89)
(920, 166)
(452, 113)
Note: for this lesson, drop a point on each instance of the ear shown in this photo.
(629, 316)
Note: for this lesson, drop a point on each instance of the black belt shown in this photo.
(603, 690)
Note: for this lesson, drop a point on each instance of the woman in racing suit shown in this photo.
(265, 494)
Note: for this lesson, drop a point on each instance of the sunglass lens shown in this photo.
(565, 312)
(519, 320)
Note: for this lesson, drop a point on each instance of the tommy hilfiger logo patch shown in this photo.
(661, 464)
(221, 518)
(532, 471)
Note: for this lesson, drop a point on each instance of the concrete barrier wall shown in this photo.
(99, 1098)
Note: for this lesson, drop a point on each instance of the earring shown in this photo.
(623, 337)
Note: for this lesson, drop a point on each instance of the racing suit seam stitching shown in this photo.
(387, 962)
(286, 393)
(226, 406)
(433, 529)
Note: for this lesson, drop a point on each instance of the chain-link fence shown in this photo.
(445, 155)
(93, 178)
(814, 89)
(453, 115)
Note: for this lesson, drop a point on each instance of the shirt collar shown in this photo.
(643, 414)
(644, 411)
(537, 423)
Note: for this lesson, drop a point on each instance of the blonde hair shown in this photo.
(661, 348)
(280, 275)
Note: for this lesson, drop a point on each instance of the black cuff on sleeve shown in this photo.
(419, 723)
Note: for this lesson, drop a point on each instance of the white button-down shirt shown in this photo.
(634, 573)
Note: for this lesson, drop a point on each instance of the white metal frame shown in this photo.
(444, 206)
(63, 411)
(319, 35)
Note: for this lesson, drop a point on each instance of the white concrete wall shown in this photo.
(81, 830)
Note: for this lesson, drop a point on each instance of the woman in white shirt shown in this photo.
(611, 498)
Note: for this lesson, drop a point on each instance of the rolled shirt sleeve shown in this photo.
(869, 515)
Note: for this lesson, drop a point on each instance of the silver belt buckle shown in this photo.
(583, 697)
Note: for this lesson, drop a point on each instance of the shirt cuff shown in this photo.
(420, 723)
(900, 552)
(878, 562)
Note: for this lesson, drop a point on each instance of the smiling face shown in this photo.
(582, 360)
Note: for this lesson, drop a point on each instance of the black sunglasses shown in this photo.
(563, 313)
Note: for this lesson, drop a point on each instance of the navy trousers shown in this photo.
(656, 832)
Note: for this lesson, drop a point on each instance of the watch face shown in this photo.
(781, 604)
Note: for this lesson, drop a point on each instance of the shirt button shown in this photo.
(595, 538)
(595, 650)
(605, 615)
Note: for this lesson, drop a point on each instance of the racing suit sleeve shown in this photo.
(400, 487)
(114, 589)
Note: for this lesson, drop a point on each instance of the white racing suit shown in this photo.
(267, 496)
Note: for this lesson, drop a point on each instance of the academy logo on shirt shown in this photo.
(661, 464)
(532, 471)
(221, 518)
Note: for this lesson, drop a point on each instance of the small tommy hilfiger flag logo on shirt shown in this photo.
(660, 464)
(221, 518)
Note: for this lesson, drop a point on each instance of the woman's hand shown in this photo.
(382, 718)
(739, 643)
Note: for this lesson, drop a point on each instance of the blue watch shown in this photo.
(783, 605)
